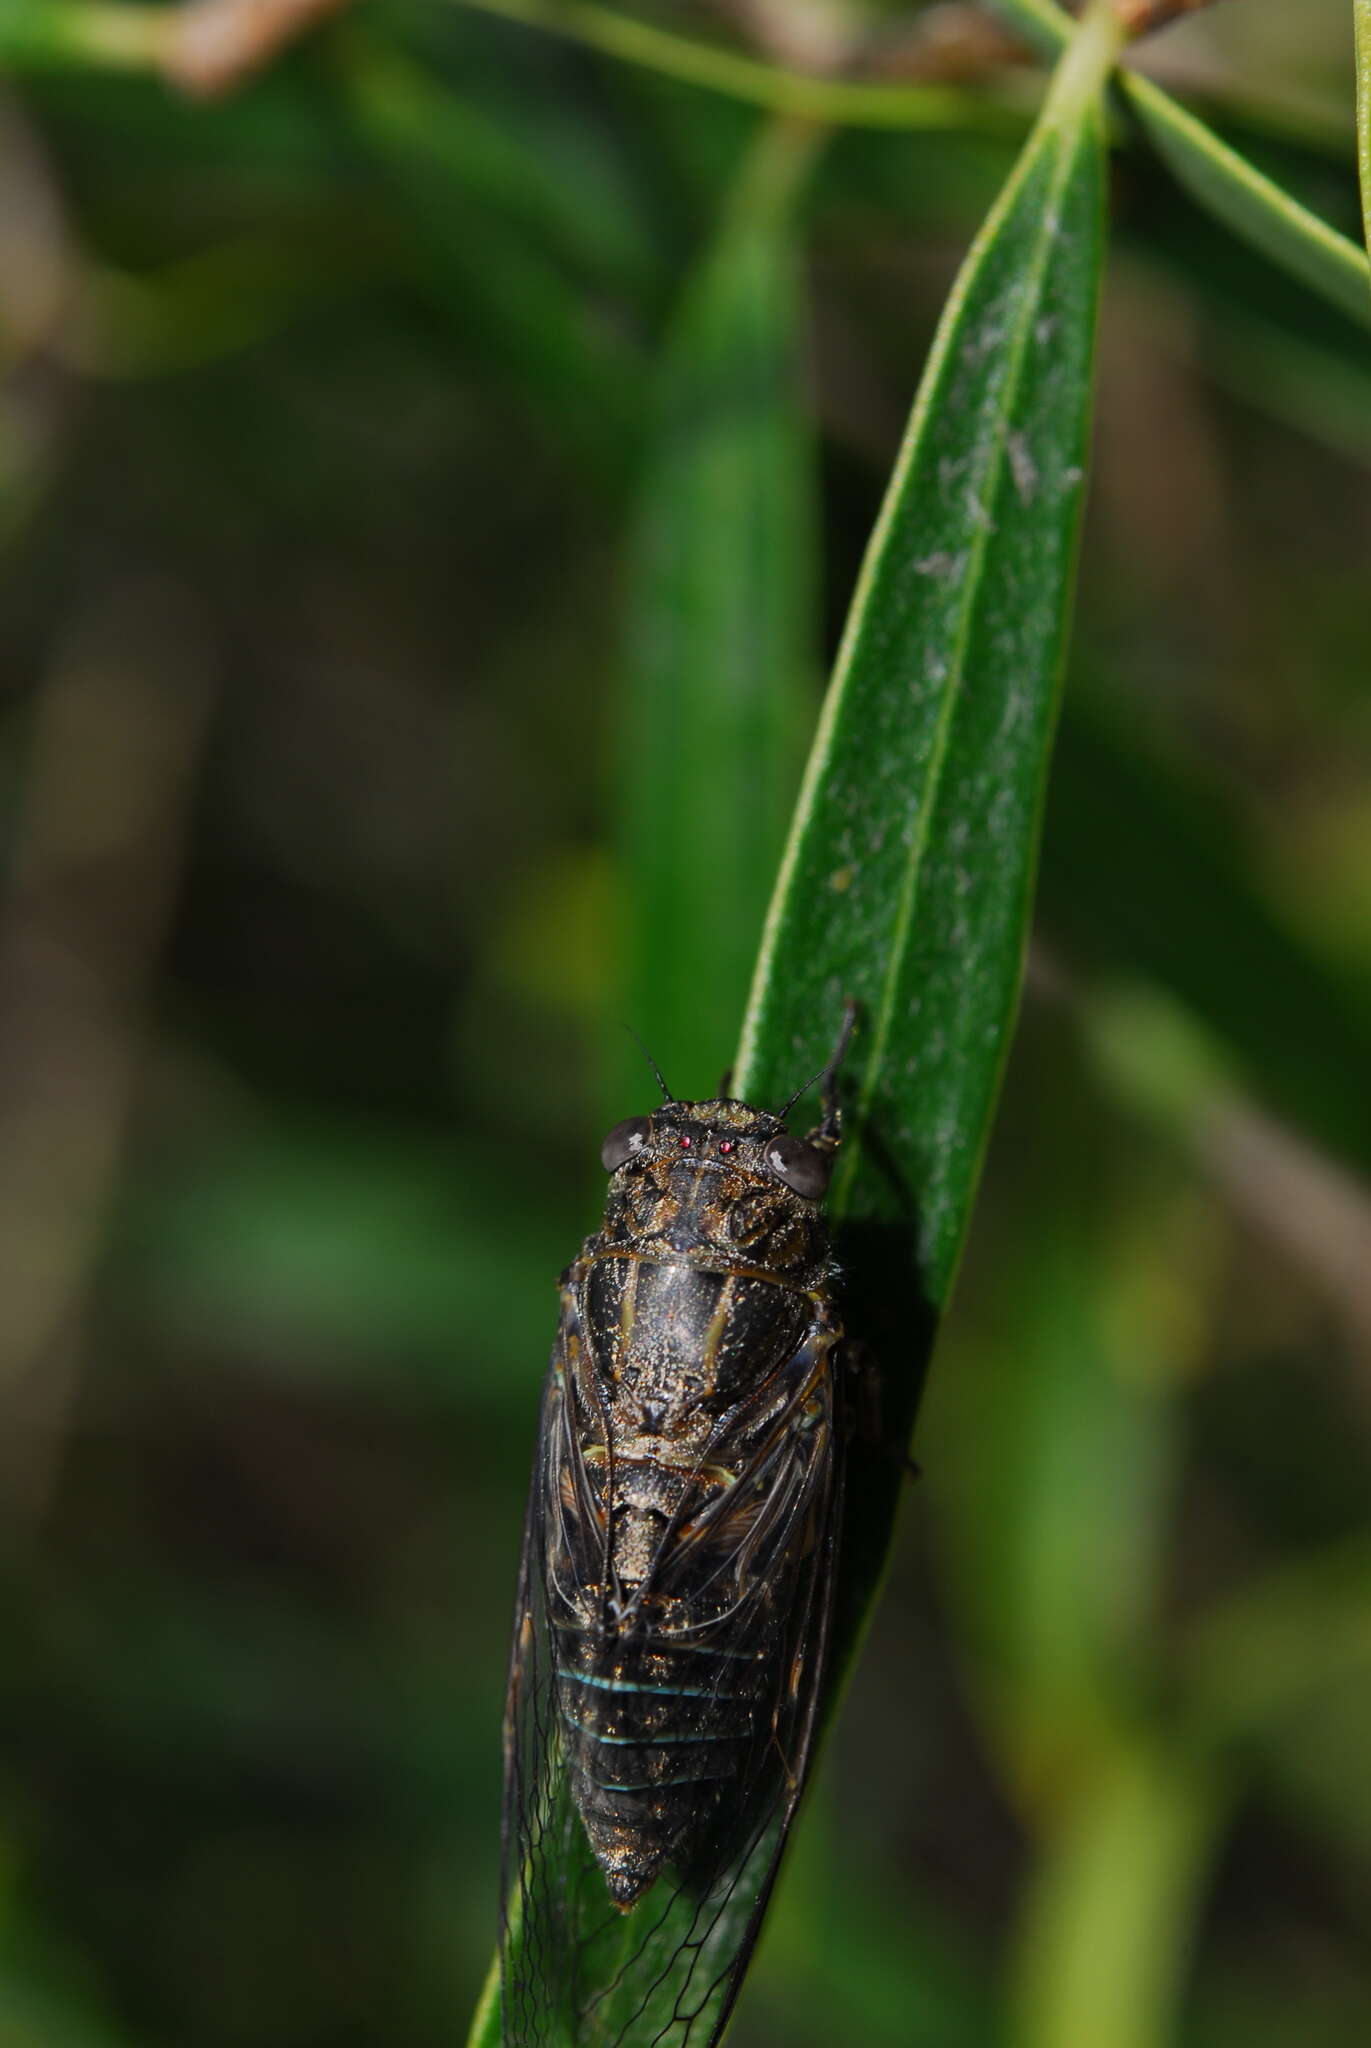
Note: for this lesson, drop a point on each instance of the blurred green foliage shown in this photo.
(336, 436)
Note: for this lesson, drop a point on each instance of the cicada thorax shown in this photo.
(696, 1374)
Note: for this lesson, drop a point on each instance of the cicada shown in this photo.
(676, 1582)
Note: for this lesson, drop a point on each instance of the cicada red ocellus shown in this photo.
(676, 1583)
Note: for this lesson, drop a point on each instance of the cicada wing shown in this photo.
(576, 1971)
(552, 1891)
(683, 1951)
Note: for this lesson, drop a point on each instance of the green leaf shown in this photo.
(1318, 384)
(330, 1248)
(514, 158)
(1253, 1662)
(510, 303)
(1142, 877)
(1111, 1908)
(908, 880)
(1055, 1454)
(908, 876)
(855, 1952)
(1253, 205)
(207, 306)
(722, 638)
(1222, 180)
(1058, 1443)
(1361, 14)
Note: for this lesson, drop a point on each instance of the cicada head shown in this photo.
(724, 1135)
(745, 1145)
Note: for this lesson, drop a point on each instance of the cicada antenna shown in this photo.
(667, 1095)
(828, 1080)
(828, 1074)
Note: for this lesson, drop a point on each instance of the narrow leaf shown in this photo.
(1111, 1908)
(1221, 179)
(1143, 877)
(1253, 205)
(1254, 1662)
(512, 155)
(908, 879)
(1361, 14)
(721, 637)
(510, 303)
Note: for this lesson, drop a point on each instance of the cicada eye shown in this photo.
(624, 1140)
(802, 1167)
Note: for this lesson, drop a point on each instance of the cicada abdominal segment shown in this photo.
(676, 1580)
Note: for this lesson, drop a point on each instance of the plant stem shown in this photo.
(1362, 18)
(1090, 57)
(116, 38)
(1140, 17)
(835, 101)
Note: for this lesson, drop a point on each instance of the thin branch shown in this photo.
(837, 102)
(1155, 1058)
(1141, 17)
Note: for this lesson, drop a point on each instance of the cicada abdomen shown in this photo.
(676, 1581)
